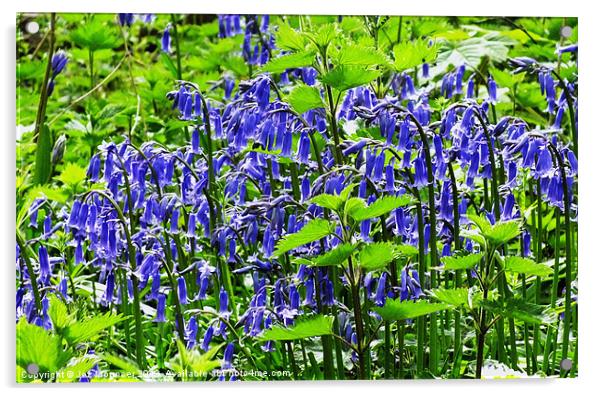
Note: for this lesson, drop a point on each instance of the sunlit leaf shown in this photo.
(303, 98)
(314, 230)
(336, 256)
(375, 256)
(401, 310)
(461, 262)
(303, 328)
(523, 265)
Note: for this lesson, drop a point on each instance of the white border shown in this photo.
(590, 107)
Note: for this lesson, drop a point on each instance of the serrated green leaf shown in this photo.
(43, 166)
(523, 265)
(400, 310)
(344, 77)
(329, 201)
(72, 174)
(470, 51)
(355, 54)
(377, 255)
(289, 39)
(410, 54)
(481, 222)
(304, 328)
(122, 363)
(289, 61)
(325, 35)
(73, 372)
(454, 297)
(94, 36)
(381, 206)
(405, 250)
(58, 313)
(314, 230)
(37, 346)
(456, 263)
(520, 310)
(335, 257)
(303, 98)
(88, 329)
(475, 236)
(503, 232)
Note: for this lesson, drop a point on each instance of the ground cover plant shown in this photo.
(254, 197)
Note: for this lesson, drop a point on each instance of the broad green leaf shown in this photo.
(359, 55)
(461, 262)
(335, 257)
(35, 345)
(43, 165)
(520, 310)
(352, 204)
(193, 361)
(377, 255)
(325, 35)
(58, 313)
(410, 54)
(303, 98)
(401, 310)
(304, 328)
(312, 231)
(380, 207)
(503, 232)
(290, 61)
(405, 250)
(470, 51)
(345, 77)
(329, 201)
(72, 174)
(454, 297)
(475, 236)
(522, 265)
(95, 36)
(289, 39)
(91, 328)
(481, 222)
(74, 371)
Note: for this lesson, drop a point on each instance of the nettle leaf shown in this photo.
(73, 372)
(475, 236)
(329, 201)
(503, 232)
(470, 51)
(522, 265)
(325, 35)
(401, 310)
(380, 207)
(359, 55)
(303, 98)
(94, 36)
(38, 346)
(91, 328)
(376, 255)
(58, 313)
(454, 297)
(304, 328)
(335, 257)
(314, 230)
(289, 39)
(410, 54)
(405, 250)
(344, 77)
(456, 263)
(122, 363)
(521, 310)
(72, 174)
(481, 222)
(289, 61)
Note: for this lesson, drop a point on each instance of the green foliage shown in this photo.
(328, 201)
(58, 313)
(314, 230)
(461, 262)
(458, 298)
(400, 310)
(344, 77)
(74, 371)
(289, 39)
(520, 310)
(380, 207)
(335, 257)
(43, 153)
(522, 265)
(375, 256)
(35, 345)
(192, 361)
(410, 54)
(72, 174)
(303, 98)
(95, 36)
(503, 232)
(85, 330)
(304, 328)
(290, 61)
(355, 54)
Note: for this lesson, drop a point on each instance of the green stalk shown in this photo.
(551, 335)
(177, 45)
(41, 114)
(421, 275)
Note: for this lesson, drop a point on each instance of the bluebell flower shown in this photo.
(182, 292)
(191, 332)
(161, 302)
(228, 356)
(379, 299)
(492, 89)
(166, 40)
(207, 338)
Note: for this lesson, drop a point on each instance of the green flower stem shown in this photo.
(41, 114)
(33, 278)
(421, 275)
(176, 39)
(551, 336)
